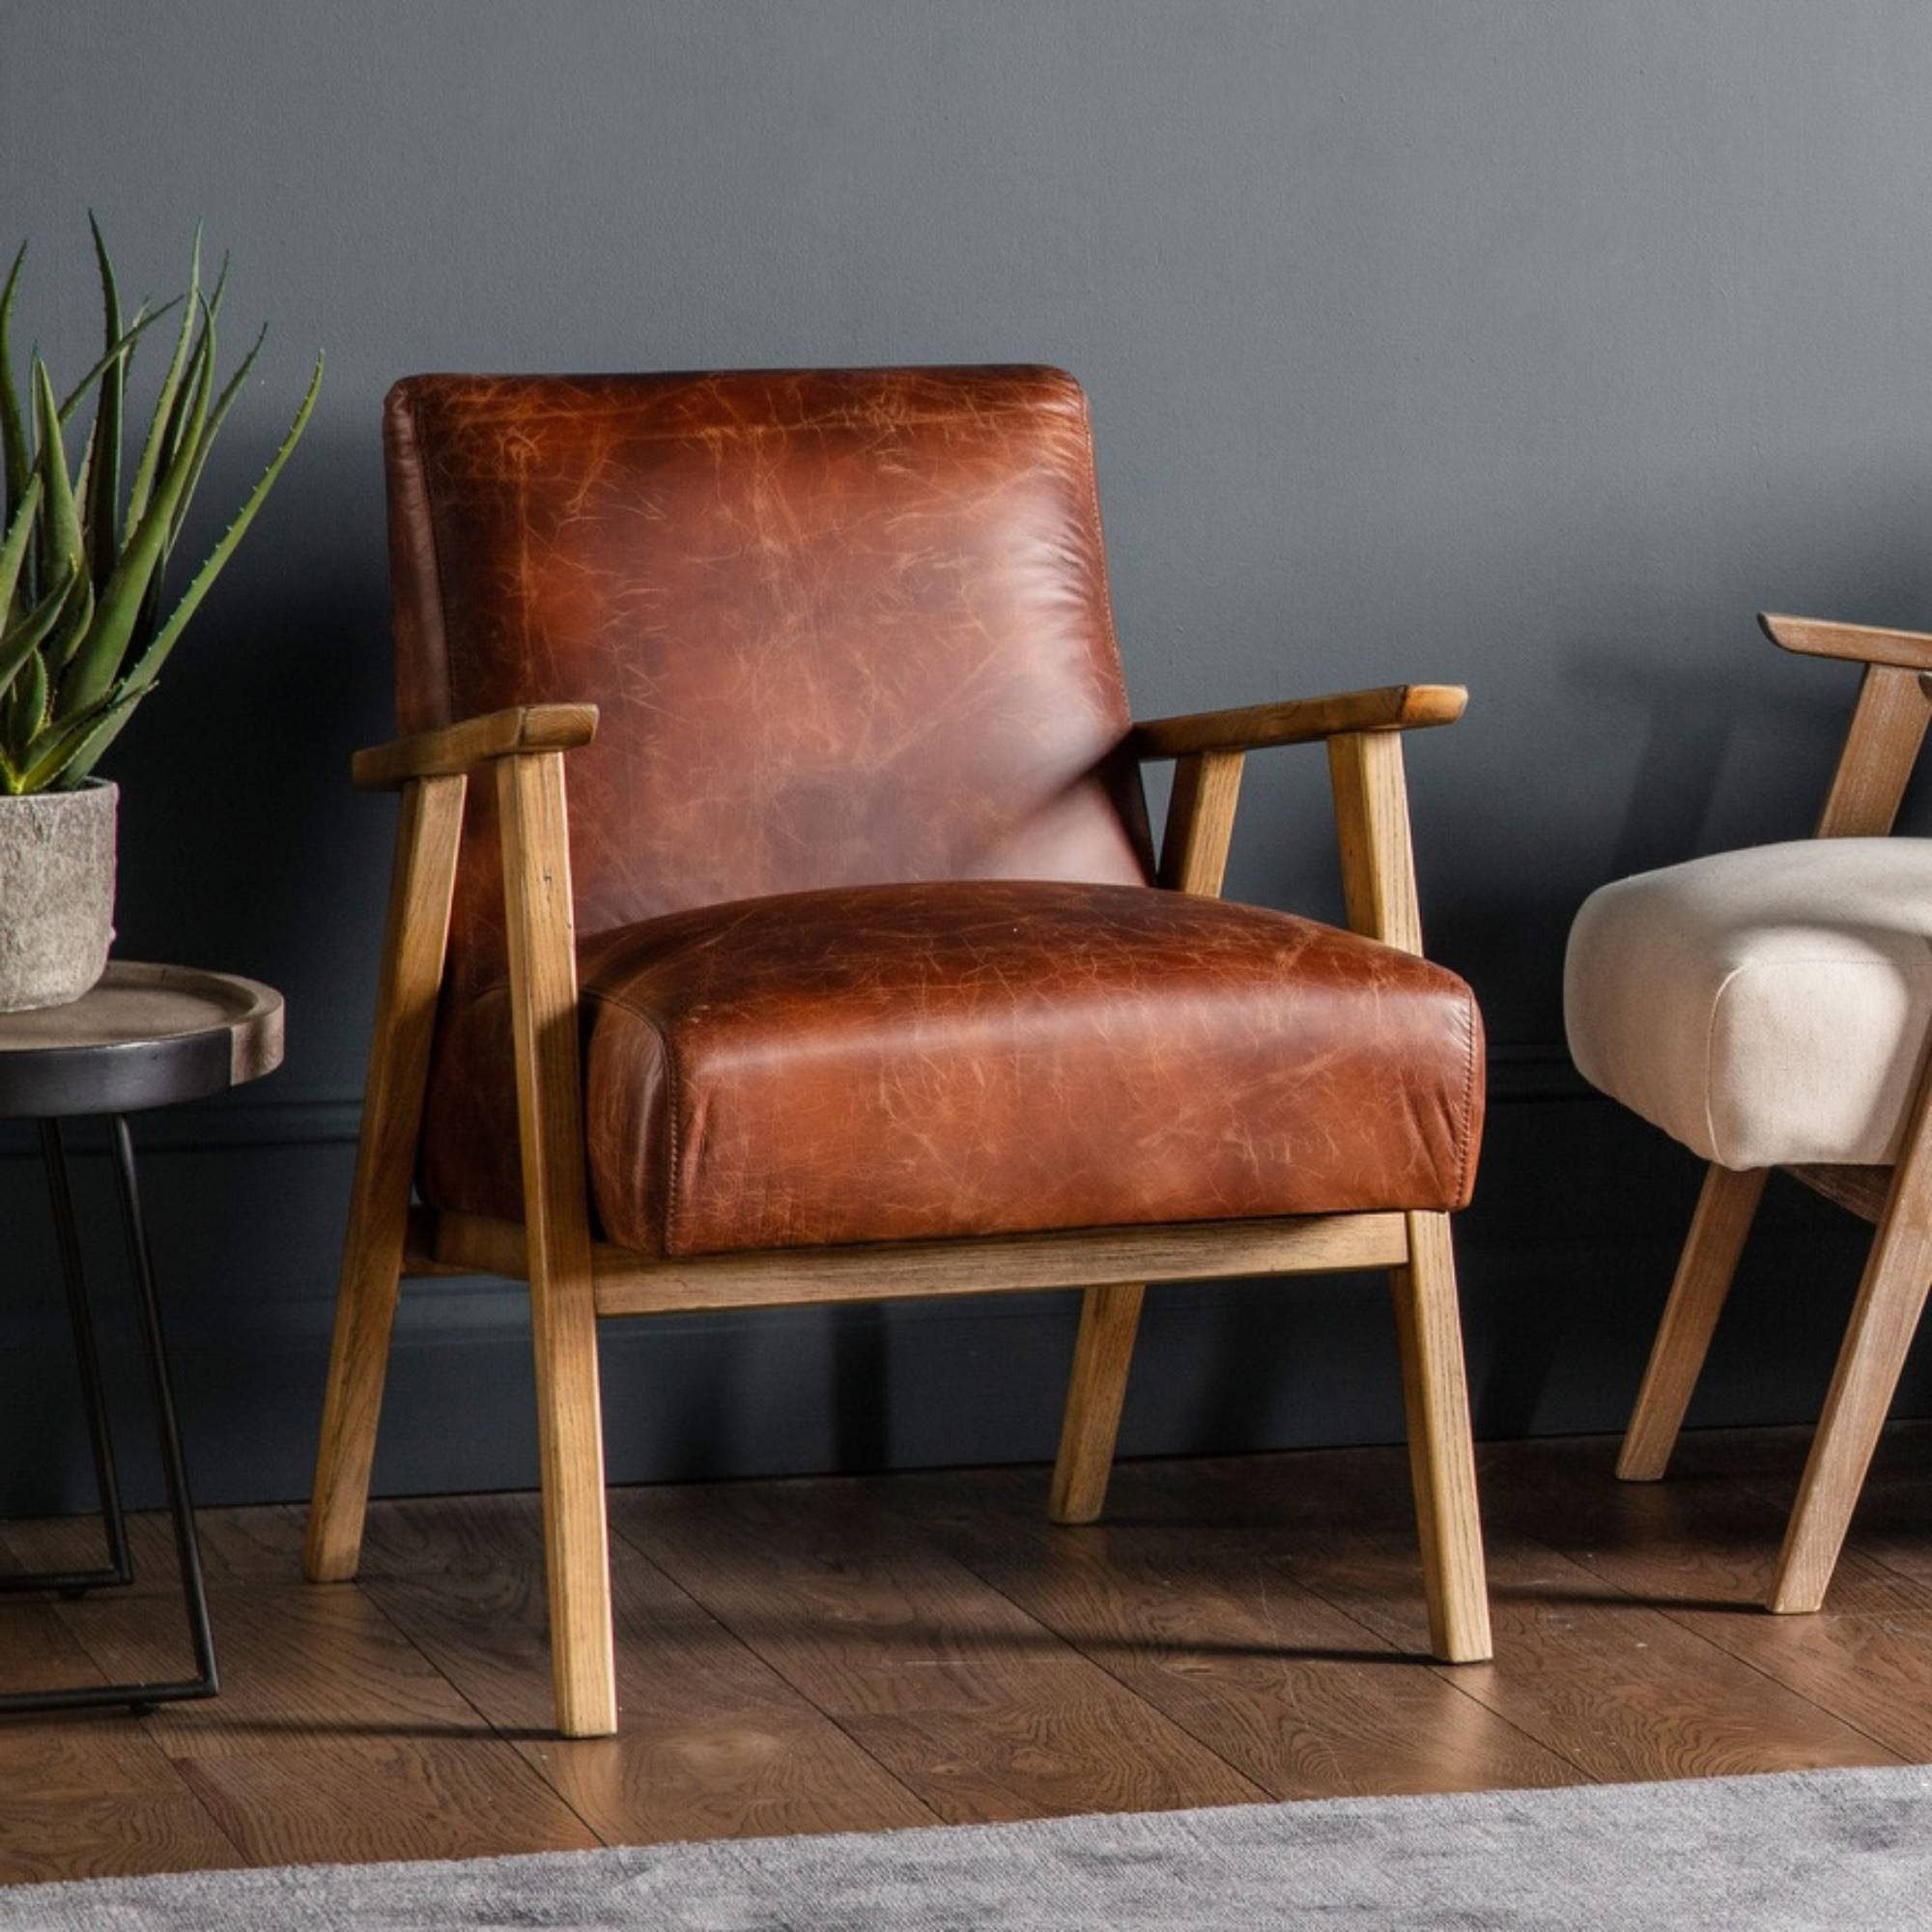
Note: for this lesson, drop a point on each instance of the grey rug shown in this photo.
(1848, 1849)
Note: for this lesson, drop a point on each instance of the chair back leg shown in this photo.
(563, 1308)
(1103, 1352)
(1725, 1210)
(1441, 1451)
(413, 943)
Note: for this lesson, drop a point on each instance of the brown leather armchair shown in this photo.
(833, 962)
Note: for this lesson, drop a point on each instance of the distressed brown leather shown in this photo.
(843, 627)
(850, 639)
(885, 1062)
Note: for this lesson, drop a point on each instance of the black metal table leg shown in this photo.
(145, 1696)
(87, 1359)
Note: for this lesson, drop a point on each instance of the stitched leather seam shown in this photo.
(814, 426)
(1468, 1106)
(622, 1005)
(1099, 539)
(673, 1088)
(449, 710)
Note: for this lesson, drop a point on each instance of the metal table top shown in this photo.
(144, 1036)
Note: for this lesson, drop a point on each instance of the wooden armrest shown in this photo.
(1302, 720)
(452, 749)
(1862, 643)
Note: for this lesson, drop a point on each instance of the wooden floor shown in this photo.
(852, 1655)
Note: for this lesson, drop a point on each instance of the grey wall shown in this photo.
(1533, 347)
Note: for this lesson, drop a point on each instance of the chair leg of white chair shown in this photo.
(1885, 1318)
(1725, 1209)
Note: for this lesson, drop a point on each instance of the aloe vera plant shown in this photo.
(86, 623)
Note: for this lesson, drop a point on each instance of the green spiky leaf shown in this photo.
(73, 624)
(186, 431)
(150, 463)
(84, 752)
(145, 319)
(82, 576)
(53, 757)
(61, 540)
(23, 639)
(185, 420)
(147, 666)
(103, 492)
(15, 457)
(97, 663)
(216, 416)
(14, 547)
(26, 710)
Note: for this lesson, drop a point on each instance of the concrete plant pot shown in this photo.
(56, 894)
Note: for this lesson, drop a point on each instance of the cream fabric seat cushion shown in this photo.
(1764, 1007)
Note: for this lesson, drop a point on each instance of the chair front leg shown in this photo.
(563, 1311)
(1365, 771)
(1725, 1210)
(413, 944)
(1441, 1451)
(1885, 1318)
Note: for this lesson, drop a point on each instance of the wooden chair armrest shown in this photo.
(451, 749)
(1302, 720)
(1365, 768)
(1862, 643)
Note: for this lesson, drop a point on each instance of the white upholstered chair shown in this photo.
(1771, 1008)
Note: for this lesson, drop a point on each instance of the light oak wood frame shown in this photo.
(1887, 728)
(574, 1280)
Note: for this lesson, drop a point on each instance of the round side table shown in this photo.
(145, 1036)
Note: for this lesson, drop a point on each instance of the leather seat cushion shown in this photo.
(1764, 1007)
(892, 1063)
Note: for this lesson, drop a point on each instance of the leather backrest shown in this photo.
(844, 627)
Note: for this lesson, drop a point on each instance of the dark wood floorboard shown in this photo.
(1599, 1676)
(238, 1545)
(1701, 1548)
(1221, 1637)
(974, 1705)
(848, 1654)
(393, 1797)
(90, 1794)
(714, 1741)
